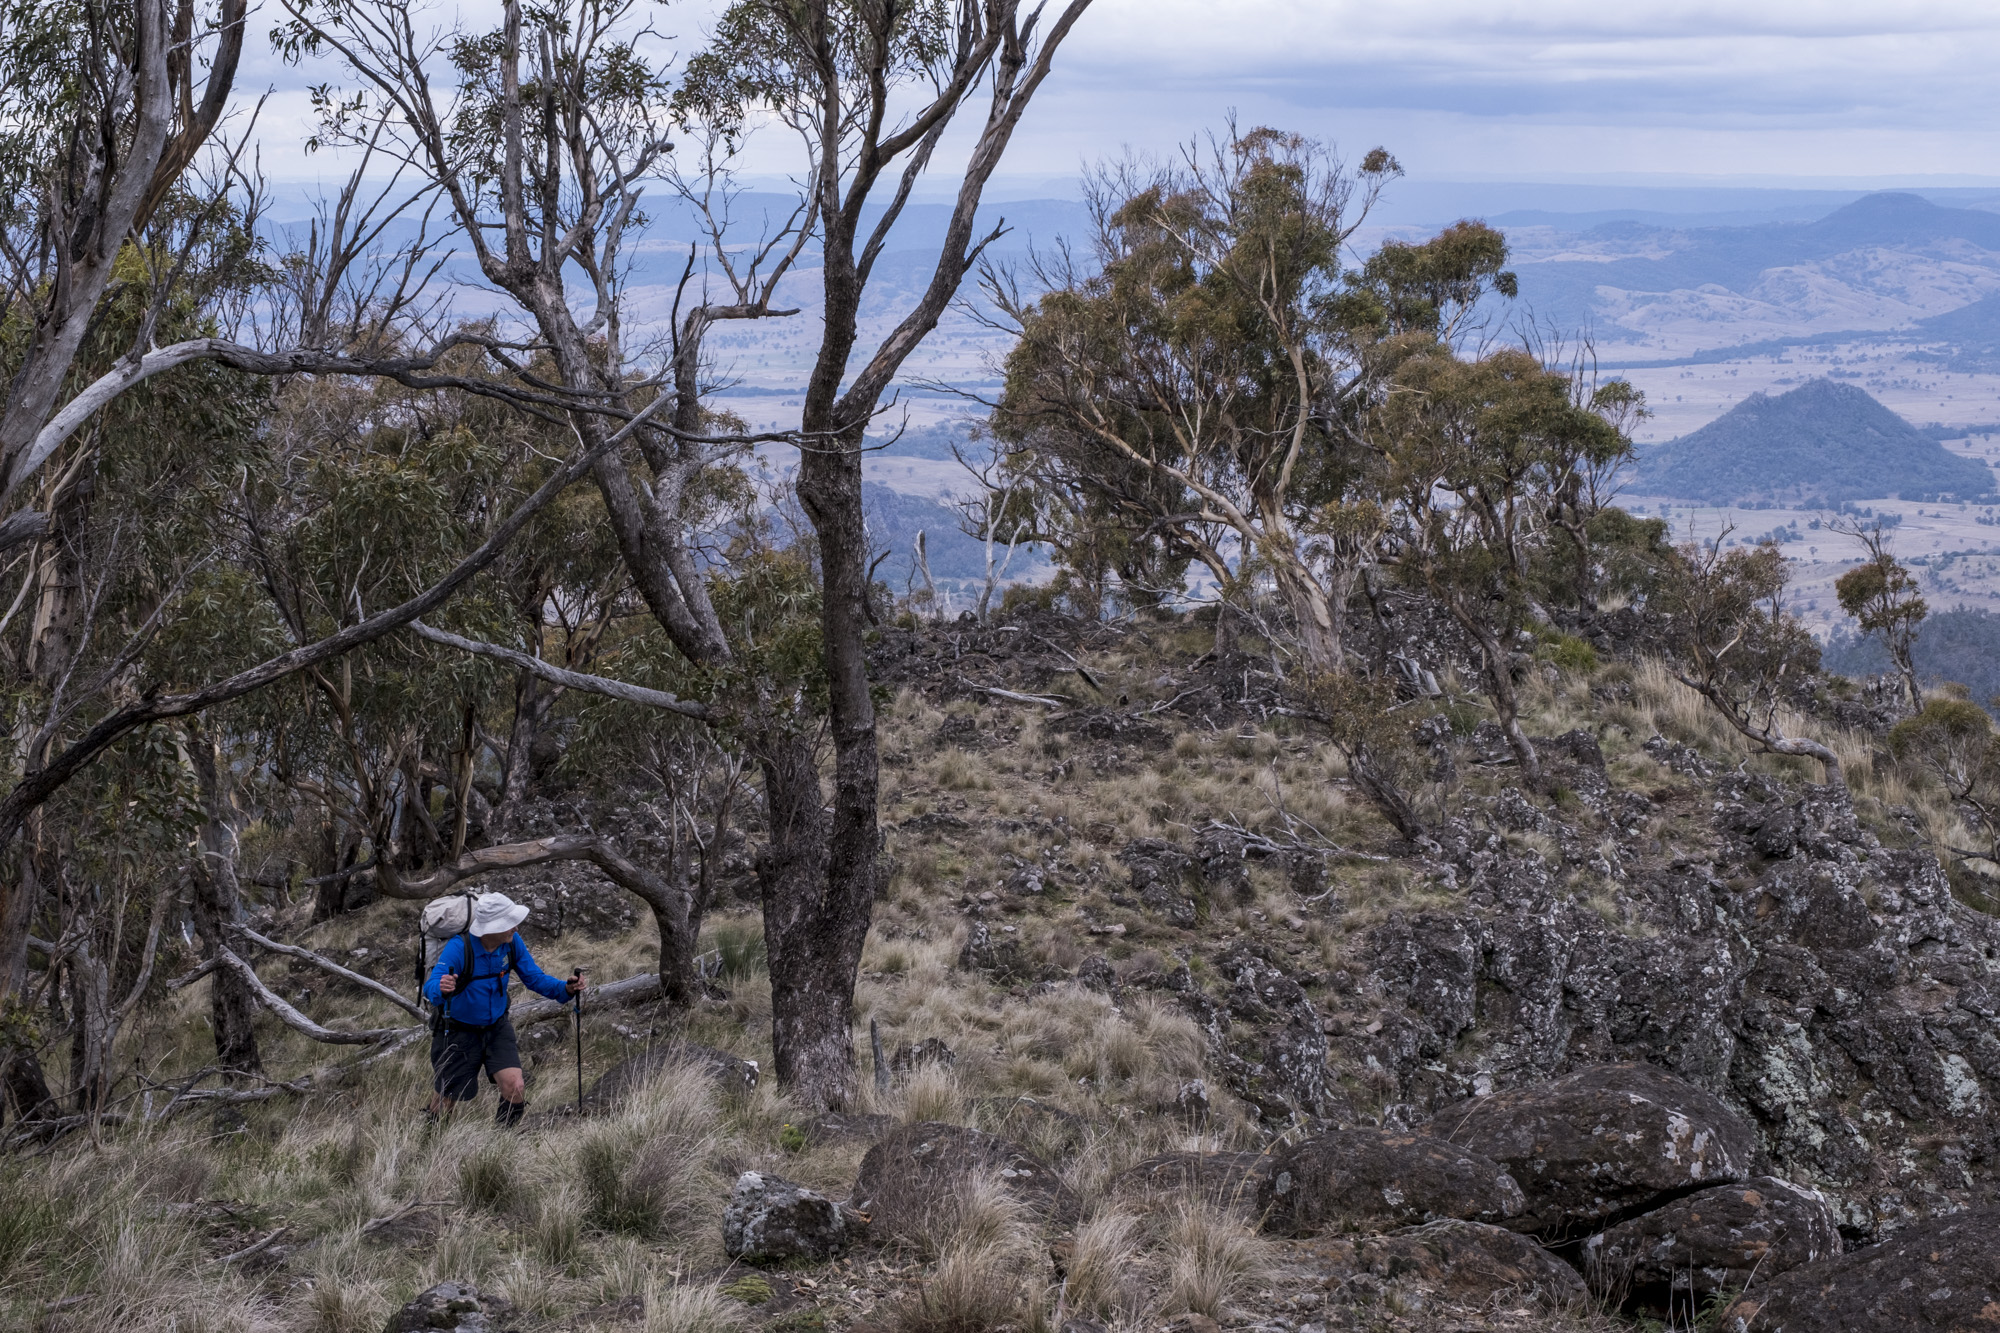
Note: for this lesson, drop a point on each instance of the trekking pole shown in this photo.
(576, 1003)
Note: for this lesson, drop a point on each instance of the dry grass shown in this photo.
(1212, 1258)
(1104, 1268)
(691, 1308)
(625, 1205)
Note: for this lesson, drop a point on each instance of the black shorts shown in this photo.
(459, 1053)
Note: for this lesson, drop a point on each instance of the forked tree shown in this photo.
(542, 137)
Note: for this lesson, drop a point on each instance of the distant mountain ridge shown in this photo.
(1824, 441)
(1571, 292)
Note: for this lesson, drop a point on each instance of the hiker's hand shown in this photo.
(577, 984)
(447, 983)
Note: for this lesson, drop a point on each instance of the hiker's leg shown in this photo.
(455, 1060)
(503, 1066)
(513, 1098)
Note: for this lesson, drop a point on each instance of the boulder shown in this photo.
(1235, 1180)
(1096, 973)
(1603, 1144)
(1160, 874)
(1714, 1240)
(915, 1173)
(451, 1305)
(1374, 1180)
(770, 1220)
(840, 1127)
(930, 1051)
(1468, 1263)
(621, 1079)
(1943, 1274)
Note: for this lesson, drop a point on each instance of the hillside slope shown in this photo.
(1823, 441)
(1149, 937)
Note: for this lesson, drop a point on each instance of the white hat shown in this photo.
(493, 913)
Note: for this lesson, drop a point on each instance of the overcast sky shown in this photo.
(1751, 91)
(1572, 88)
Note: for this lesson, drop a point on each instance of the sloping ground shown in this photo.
(1822, 442)
(1148, 917)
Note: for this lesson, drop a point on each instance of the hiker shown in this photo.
(468, 987)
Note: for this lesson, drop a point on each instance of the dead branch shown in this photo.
(575, 680)
(249, 1250)
(297, 1021)
(328, 965)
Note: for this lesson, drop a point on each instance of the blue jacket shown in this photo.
(482, 997)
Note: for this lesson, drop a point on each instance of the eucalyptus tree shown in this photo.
(541, 136)
(1475, 456)
(1739, 647)
(1883, 596)
(1195, 381)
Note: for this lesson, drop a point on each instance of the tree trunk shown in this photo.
(516, 776)
(1317, 620)
(218, 904)
(814, 925)
(1506, 702)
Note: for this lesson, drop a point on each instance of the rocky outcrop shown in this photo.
(914, 1175)
(1603, 1143)
(770, 1220)
(1372, 1180)
(1768, 949)
(1938, 1275)
(1713, 1241)
(1164, 878)
(1266, 1040)
(458, 1306)
(1465, 1263)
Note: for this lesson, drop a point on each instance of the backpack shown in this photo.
(441, 919)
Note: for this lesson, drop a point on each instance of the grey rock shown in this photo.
(1467, 1263)
(451, 1305)
(1161, 871)
(770, 1220)
(1714, 1240)
(914, 1175)
(1096, 973)
(1374, 1180)
(1941, 1275)
(1604, 1143)
(623, 1078)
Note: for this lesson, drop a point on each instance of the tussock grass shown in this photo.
(574, 1214)
(1214, 1256)
(691, 1308)
(1104, 1268)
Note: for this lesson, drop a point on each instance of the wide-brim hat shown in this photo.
(493, 913)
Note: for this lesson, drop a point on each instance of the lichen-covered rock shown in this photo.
(1714, 1240)
(1096, 973)
(1267, 1040)
(1161, 871)
(770, 1220)
(914, 1175)
(1372, 1180)
(1603, 1143)
(1467, 1263)
(931, 1051)
(451, 1305)
(1234, 1180)
(622, 1078)
(1941, 1275)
